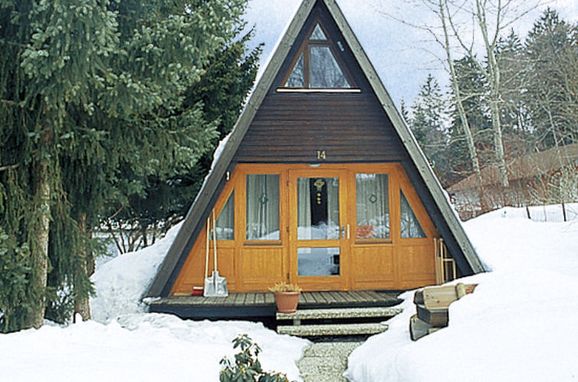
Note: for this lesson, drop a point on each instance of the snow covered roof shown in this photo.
(168, 271)
(527, 166)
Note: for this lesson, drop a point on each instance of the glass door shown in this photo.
(319, 233)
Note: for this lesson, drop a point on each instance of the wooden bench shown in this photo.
(432, 305)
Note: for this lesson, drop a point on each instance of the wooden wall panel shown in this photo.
(192, 273)
(292, 127)
(261, 268)
(372, 267)
(416, 263)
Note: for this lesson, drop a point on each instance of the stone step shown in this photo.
(341, 313)
(332, 330)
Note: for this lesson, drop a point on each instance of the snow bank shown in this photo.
(121, 282)
(518, 325)
(143, 347)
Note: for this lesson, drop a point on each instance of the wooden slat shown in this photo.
(269, 298)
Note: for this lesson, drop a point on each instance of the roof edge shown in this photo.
(163, 276)
(406, 137)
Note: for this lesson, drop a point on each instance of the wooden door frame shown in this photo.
(319, 283)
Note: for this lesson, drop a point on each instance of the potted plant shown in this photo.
(286, 296)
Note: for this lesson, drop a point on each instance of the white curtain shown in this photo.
(332, 208)
(372, 206)
(304, 229)
(263, 207)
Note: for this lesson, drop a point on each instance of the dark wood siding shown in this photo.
(349, 127)
(292, 127)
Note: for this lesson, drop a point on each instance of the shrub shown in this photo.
(247, 367)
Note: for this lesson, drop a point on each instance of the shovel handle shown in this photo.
(207, 249)
(215, 268)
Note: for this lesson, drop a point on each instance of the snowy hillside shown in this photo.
(518, 325)
(125, 344)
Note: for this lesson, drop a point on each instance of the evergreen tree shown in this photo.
(514, 113)
(427, 124)
(91, 91)
(472, 85)
(551, 78)
(222, 90)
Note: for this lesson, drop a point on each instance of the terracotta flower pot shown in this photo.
(287, 301)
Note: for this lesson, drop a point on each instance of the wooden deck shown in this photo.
(245, 305)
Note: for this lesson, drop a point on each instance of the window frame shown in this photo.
(304, 50)
(243, 221)
(390, 187)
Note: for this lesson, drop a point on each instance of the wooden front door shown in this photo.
(318, 229)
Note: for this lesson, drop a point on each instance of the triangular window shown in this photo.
(297, 78)
(318, 34)
(317, 66)
(324, 69)
(410, 227)
(226, 220)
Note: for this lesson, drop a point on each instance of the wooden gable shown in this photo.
(349, 125)
(293, 126)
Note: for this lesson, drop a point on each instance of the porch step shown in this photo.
(332, 314)
(332, 330)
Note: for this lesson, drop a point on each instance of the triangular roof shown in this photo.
(177, 253)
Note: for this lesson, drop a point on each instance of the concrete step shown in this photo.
(332, 330)
(341, 313)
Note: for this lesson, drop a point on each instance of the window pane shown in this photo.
(317, 34)
(410, 227)
(296, 79)
(263, 207)
(318, 208)
(325, 72)
(372, 206)
(318, 261)
(226, 220)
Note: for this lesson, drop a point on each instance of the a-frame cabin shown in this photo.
(321, 183)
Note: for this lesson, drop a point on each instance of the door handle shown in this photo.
(345, 232)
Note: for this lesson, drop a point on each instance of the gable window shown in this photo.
(317, 65)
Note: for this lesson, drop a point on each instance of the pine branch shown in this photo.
(8, 167)
(10, 102)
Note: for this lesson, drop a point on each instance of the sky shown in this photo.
(402, 55)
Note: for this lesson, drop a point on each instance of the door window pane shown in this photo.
(263, 207)
(317, 208)
(372, 206)
(410, 227)
(324, 70)
(226, 220)
(318, 261)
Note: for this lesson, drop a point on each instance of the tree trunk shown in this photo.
(493, 75)
(39, 254)
(84, 270)
(460, 106)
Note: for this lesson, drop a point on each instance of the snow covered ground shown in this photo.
(125, 344)
(518, 325)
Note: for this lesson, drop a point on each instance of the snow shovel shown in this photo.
(215, 285)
